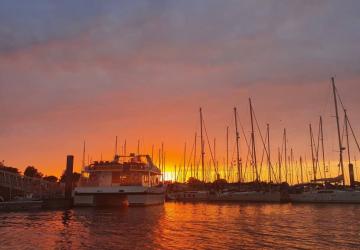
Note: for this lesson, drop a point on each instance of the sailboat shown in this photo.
(329, 194)
(255, 194)
(199, 193)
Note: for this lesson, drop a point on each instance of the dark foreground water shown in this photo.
(185, 226)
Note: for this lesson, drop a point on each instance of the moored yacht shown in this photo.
(127, 180)
(327, 193)
(327, 196)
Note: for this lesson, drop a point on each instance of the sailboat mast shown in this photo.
(312, 152)
(237, 146)
(83, 159)
(338, 130)
(347, 136)
(285, 145)
(152, 152)
(279, 159)
(193, 169)
(301, 170)
(116, 146)
(253, 143)
(202, 146)
(162, 160)
(268, 151)
(215, 162)
(227, 153)
(184, 167)
(322, 145)
(138, 147)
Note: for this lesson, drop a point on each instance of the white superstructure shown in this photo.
(131, 180)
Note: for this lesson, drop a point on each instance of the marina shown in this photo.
(200, 125)
(135, 180)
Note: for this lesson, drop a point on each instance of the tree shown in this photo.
(194, 182)
(220, 183)
(50, 178)
(9, 169)
(75, 177)
(31, 171)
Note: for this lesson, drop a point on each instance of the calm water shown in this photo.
(185, 226)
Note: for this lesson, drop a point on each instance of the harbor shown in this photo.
(135, 180)
(200, 125)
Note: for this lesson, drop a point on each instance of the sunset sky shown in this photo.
(91, 70)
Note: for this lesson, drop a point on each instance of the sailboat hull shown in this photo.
(327, 196)
(252, 196)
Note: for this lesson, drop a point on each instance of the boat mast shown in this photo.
(285, 145)
(237, 146)
(162, 161)
(138, 147)
(291, 165)
(253, 143)
(227, 153)
(215, 162)
(338, 130)
(193, 169)
(202, 146)
(269, 159)
(116, 146)
(347, 136)
(322, 145)
(312, 152)
(184, 167)
(125, 148)
(301, 170)
(152, 152)
(83, 159)
(279, 159)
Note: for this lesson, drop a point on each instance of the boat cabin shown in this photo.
(133, 170)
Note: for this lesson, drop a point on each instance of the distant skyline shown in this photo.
(91, 70)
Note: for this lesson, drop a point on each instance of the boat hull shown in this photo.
(119, 196)
(191, 196)
(252, 196)
(326, 196)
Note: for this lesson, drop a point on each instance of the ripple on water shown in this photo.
(185, 226)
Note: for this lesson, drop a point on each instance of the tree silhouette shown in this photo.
(75, 177)
(31, 171)
(9, 169)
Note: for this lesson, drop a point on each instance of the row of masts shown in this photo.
(287, 169)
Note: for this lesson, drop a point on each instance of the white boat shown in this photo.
(327, 196)
(127, 180)
(251, 196)
(334, 194)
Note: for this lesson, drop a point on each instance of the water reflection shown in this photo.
(185, 226)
